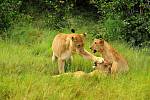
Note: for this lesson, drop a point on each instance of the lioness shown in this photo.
(105, 66)
(64, 45)
(119, 64)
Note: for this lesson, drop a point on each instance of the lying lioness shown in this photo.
(79, 74)
(119, 63)
(64, 45)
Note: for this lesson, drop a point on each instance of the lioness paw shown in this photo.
(99, 59)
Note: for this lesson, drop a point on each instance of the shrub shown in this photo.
(134, 13)
(8, 12)
(137, 30)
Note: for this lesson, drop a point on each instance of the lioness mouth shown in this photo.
(94, 51)
(95, 63)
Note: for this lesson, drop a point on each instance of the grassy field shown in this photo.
(26, 74)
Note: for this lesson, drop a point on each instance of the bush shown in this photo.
(135, 14)
(137, 30)
(11, 11)
(8, 12)
(56, 23)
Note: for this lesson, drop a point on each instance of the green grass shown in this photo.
(26, 73)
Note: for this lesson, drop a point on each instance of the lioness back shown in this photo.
(59, 44)
(63, 43)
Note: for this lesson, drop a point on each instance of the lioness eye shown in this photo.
(95, 42)
(78, 45)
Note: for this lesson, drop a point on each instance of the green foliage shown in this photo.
(137, 30)
(113, 29)
(8, 12)
(134, 13)
(66, 14)
(15, 11)
(56, 23)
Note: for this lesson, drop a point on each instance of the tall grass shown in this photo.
(26, 73)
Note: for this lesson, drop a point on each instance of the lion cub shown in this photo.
(119, 63)
(64, 45)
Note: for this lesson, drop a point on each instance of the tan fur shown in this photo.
(64, 45)
(119, 63)
(79, 74)
(104, 67)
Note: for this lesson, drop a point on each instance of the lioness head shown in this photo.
(97, 45)
(105, 66)
(78, 41)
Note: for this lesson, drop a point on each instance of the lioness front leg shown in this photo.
(53, 58)
(87, 55)
(114, 67)
(69, 61)
(61, 64)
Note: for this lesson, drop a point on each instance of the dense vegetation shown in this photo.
(116, 19)
(27, 28)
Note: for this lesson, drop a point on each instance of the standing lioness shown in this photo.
(119, 63)
(65, 44)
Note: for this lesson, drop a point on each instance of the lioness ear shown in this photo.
(72, 30)
(85, 34)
